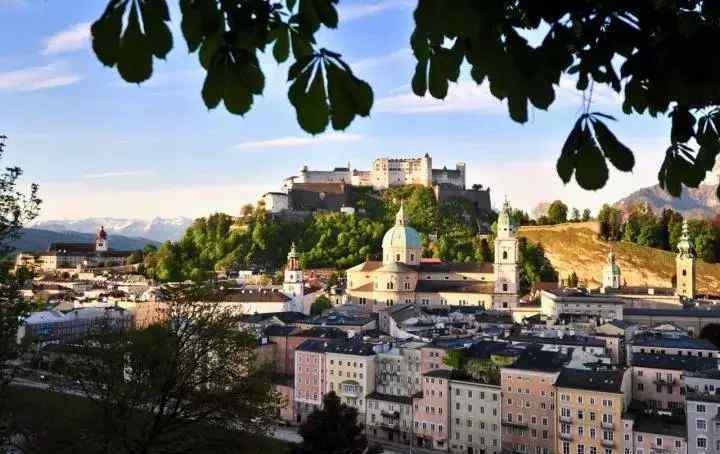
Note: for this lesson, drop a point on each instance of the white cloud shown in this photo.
(370, 8)
(467, 96)
(74, 38)
(462, 97)
(397, 56)
(297, 141)
(120, 173)
(37, 78)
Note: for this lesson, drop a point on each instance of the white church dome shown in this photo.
(401, 235)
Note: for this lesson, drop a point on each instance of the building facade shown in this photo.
(403, 277)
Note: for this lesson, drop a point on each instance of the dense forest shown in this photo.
(453, 231)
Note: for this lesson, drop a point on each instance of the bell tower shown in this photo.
(507, 275)
(293, 285)
(685, 265)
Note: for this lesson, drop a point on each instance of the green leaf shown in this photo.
(327, 13)
(106, 33)
(236, 94)
(438, 82)
(214, 85)
(591, 171)
(342, 105)
(683, 125)
(362, 95)
(517, 105)
(154, 15)
(542, 93)
(281, 48)
(619, 155)
(566, 162)
(135, 56)
(419, 80)
(301, 47)
(310, 101)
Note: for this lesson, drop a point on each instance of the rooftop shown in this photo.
(573, 340)
(673, 362)
(405, 400)
(668, 342)
(539, 360)
(694, 313)
(600, 381)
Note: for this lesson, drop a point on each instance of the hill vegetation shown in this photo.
(640, 265)
(258, 240)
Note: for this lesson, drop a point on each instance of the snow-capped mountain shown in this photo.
(158, 229)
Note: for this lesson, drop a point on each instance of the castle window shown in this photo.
(397, 257)
(504, 255)
(684, 272)
(505, 287)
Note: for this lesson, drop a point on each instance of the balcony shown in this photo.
(608, 443)
(566, 436)
(607, 425)
(665, 381)
(566, 419)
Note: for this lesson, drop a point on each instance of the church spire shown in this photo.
(685, 246)
(400, 218)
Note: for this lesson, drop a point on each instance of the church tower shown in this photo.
(101, 240)
(611, 273)
(293, 285)
(685, 265)
(507, 275)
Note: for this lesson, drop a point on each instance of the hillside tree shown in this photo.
(16, 210)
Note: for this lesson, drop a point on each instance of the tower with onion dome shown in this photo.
(402, 243)
(685, 265)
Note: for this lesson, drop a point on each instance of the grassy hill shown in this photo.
(576, 247)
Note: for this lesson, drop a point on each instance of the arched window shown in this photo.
(397, 257)
(504, 255)
(412, 257)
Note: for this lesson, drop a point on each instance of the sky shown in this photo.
(98, 146)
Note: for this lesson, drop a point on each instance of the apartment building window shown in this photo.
(702, 442)
(700, 408)
(469, 422)
(581, 431)
(566, 447)
(701, 424)
(545, 434)
(581, 449)
(592, 416)
(641, 386)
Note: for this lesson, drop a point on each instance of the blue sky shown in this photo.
(100, 147)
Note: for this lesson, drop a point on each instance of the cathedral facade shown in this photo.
(403, 276)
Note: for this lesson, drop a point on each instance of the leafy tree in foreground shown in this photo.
(16, 209)
(190, 381)
(652, 53)
(332, 430)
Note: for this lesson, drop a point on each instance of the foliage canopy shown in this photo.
(652, 53)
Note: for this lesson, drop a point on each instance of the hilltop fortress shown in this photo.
(326, 190)
(387, 172)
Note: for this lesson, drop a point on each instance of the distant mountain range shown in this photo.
(38, 240)
(156, 229)
(694, 203)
